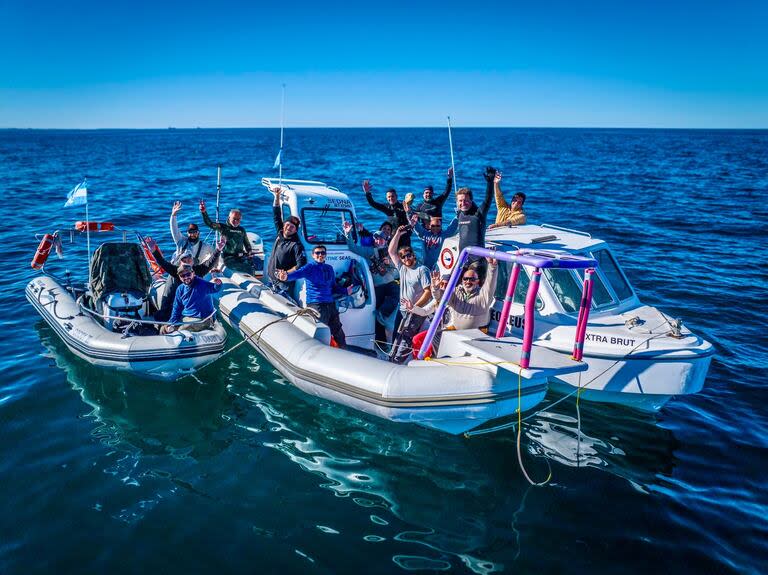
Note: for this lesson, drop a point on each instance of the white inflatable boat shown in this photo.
(474, 378)
(110, 326)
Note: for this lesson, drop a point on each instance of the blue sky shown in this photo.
(88, 64)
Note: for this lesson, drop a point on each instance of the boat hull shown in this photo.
(451, 396)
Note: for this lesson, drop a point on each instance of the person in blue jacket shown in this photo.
(320, 281)
(193, 302)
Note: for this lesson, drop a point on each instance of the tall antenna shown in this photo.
(450, 143)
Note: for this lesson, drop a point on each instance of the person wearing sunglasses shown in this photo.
(415, 290)
(200, 250)
(320, 280)
(470, 303)
(172, 282)
(511, 214)
(193, 302)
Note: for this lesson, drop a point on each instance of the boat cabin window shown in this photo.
(607, 265)
(565, 287)
(523, 281)
(600, 294)
(325, 225)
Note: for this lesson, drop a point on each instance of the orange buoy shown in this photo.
(43, 251)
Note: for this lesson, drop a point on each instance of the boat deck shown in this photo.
(505, 354)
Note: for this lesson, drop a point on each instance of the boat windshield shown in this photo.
(610, 270)
(325, 225)
(565, 287)
(600, 294)
(520, 290)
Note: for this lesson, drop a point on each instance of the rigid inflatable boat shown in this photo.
(473, 378)
(108, 322)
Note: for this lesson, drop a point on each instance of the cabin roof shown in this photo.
(304, 189)
(543, 236)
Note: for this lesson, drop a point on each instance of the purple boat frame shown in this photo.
(538, 260)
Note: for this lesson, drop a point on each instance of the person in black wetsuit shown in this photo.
(395, 211)
(172, 281)
(288, 251)
(470, 221)
(432, 206)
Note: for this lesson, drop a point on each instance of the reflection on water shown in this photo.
(429, 501)
(180, 417)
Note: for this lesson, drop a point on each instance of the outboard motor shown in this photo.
(121, 305)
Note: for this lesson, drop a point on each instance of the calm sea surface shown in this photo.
(101, 473)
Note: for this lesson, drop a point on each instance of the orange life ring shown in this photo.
(43, 251)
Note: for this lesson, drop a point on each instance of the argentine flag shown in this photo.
(78, 196)
(278, 160)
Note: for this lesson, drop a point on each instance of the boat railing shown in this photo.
(538, 260)
(564, 229)
(98, 315)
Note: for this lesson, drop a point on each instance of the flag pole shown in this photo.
(450, 143)
(87, 233)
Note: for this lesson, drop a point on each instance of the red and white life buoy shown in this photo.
(43, 251)
(446, 258)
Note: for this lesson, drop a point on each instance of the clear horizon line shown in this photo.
(14, 128)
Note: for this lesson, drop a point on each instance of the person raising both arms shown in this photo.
(200, 250)
(432, 206)
(511, 214)
(469, 223)
(238, 248)
(394, 209)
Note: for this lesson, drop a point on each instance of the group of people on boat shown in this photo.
(187, 302)
(403, 284)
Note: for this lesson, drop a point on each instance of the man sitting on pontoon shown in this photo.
(193, 303)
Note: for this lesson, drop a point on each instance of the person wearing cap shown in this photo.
(383, 272)
(511, 214)
(200, 250)
(172, 281)
(432, 206)
(193, 302)
(394, 210)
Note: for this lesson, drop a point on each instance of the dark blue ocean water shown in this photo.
(101, 473)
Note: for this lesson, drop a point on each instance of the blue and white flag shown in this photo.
(78, 196)
(278, 160)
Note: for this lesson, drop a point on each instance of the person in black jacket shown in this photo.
(172, 281)
(395, 211)
(470, 221)
(288, 251)
(432, 207)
